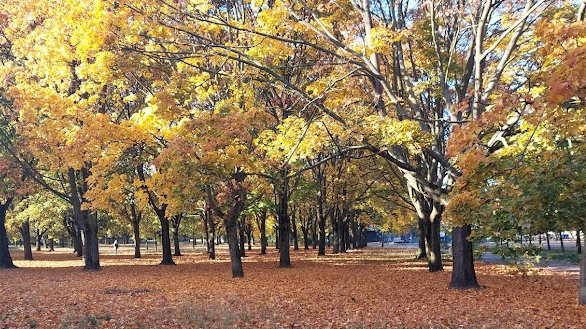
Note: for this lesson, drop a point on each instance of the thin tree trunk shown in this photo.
(294, 230)
(263, 231)
(463, 274)
(547, 240)
(562, 242)
(39, 240)
(582, 293)
(176, 222)
(25, 231)
(241, 238)
(136, 229)
(578, 242)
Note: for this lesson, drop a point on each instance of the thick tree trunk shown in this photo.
(166, 240)
(231, 224)
(25, 231)
(92, 254)
(284, 229)
(434, 258)
(51, 244)
(5, 259)
(463, 274)
(136, 229)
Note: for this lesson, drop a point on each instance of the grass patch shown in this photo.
(568, 256)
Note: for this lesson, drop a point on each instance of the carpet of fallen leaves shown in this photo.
(370, 288)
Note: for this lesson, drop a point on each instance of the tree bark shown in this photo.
(294, 230)
(233, 246)
(39, 240)
(5, 258)
(434, 258)
(578, 242)
(25, 231)
(463, 274)
(421, 248)
(241, 234)
(176, 222)
(284, 229)
(136, 229)
(262, 225)
(165, 239)
(284, 221)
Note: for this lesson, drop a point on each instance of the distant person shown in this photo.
(116, 247)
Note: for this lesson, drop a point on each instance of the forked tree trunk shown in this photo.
(463, 274)
(434, 258)
(5, 259)
(25, 231)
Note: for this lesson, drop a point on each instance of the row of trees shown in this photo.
(463, 112)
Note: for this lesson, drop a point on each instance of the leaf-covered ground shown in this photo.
(371, 288)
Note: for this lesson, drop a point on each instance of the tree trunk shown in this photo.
(92, 254)
(547, 240)
(249, 235)
(175, 223)
(305, 231)
(294, 230)
(231, 224)
(51, 244)
(434, 258)
(421, 249)
(578, 242)
(177, 249)
(5, 259)
(263, 231)
(314, 235)
(463, 274)
(562, 242)
(241, 238)
(582, 293)
(284, 229)
(165, 240)
(136, 229)
(322, 229)
(25, 231)
(39, 240)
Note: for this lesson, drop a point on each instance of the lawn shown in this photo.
(371, 288)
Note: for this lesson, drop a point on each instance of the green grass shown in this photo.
(568, 256)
